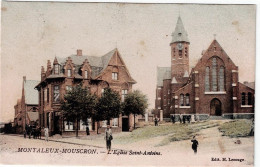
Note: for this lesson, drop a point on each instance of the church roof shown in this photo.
(180, 34)
(163, 73)
(31, 95)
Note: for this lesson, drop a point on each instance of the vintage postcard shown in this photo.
(127, 84)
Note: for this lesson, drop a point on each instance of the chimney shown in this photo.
(79, 52)
(24, 78)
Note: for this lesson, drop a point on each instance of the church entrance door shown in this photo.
(215, 107)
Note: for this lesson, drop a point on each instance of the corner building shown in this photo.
(211, 88)
(96, 73)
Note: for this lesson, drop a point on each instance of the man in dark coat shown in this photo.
(108, 138)
(195, 144)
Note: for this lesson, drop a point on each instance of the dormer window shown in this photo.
(86, 74)
(56, 69)
(114, 75)
(69, 73)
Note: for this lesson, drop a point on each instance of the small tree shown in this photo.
(108, 106)
(135, 103)
(78, 104)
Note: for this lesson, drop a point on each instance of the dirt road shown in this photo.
(91, 151)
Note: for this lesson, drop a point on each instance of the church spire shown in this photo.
(179, 34)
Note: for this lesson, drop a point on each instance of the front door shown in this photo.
(215, 107)
(125, 124)
(56, 125)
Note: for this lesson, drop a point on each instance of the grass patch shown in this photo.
(237, 128)
(172, 132)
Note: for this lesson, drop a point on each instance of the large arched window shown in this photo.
(249, 98)
(187, 99)
(243, 98)
(181, 100)
(207, 85)
(215, 75)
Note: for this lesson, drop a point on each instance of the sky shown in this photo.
(34, 32)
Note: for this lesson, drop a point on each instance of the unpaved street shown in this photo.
(91, 151)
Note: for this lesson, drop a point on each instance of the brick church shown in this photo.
(210, 88)
(97, 73)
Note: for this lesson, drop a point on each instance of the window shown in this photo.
(56, 94)
(124, 93)
(115, 122)
(68, 88)
(180, 53)
(69, 73)
(181, 100)
(48, 94)
(56, 69)
(45, 95)
(221, 79)
(68, 126)
(243, 98)
(187, 98)
(186, 52)
(214, 74)
(114, 75)
(104, 123)
(86, 74)
(249, 98)
(169, 91)
(207, 86)
(215, 48)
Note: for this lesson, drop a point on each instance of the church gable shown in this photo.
(215, 50)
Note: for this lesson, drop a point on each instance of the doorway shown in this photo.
(215, 107)
(125, 124)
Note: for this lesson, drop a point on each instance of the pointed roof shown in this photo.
(179, 34)
(186, 74)
(174, 81)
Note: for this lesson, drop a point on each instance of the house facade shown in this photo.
(210, 88)
(26, 108)
(96, 73)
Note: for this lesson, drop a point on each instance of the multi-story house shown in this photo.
(96, 73)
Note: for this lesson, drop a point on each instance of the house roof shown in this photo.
(98, 64)
(33, 116)
(180, 34)
(250, 84)
(31, 95)
(163, 73)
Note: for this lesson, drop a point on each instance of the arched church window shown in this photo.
(207, 86)
(221, 79)
(187, 98)
(243, 98)
(181, 100)
(249, 98)
(214, 74)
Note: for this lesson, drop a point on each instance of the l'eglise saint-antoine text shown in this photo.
(124, 152)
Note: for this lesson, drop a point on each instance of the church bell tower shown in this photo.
(179, 51)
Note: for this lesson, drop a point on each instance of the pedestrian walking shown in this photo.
(46, 133)
(195, 144)
(87, 130)
(173, 118)
(156, 120)
(29, 130)
(108, 138)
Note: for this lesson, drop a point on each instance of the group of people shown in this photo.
(36, 132)
(184, 118)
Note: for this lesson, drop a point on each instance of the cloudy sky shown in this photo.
(33, 33)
